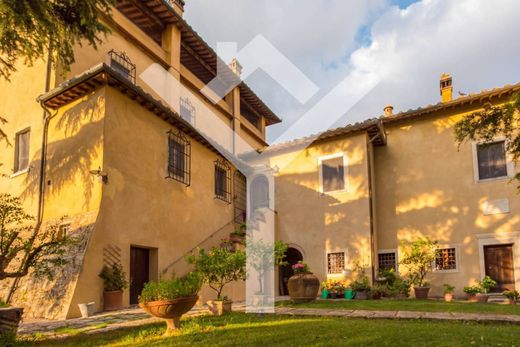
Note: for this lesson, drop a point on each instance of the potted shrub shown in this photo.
(170, 299)
(238, 236)
(378, 291)
(217, 268)
(472, 292)
(448, 292)
(361, 286)
(485, 286)
(419, 259)
(114, 282)
(303, 286)
(512, 295)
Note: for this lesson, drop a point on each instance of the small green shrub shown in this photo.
(511, 294)
(3, 304)
(486, 284)
(362, 282)
(472, 290)
(448, 288)
(171, 289)
(114, 278)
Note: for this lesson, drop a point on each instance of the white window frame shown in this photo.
(394, 250)
(457, 259)
(509, 162)
(345, 172)
(332, 275)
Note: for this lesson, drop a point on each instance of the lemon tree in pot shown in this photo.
(114, 283)
(217, 268)
(418, 259)
(170, 299)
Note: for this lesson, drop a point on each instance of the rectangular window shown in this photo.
(222, 181)
(335, 262)
(122, 64)
(21, 149)
(492, 161)
(333, 174)
(187, 110)
(446, 259)
(179, 157)
(386, 261)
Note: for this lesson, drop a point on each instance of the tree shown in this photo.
(21, 249)
(33, 29)
(219, 266)
(493, 121)
(419, 260)
(3, 135)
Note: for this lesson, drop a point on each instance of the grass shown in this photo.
(240, 329)
(411, 305)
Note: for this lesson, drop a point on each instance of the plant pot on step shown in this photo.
(10, 318)
(448, 297)
(170, 310)
(219, 307)
(421, 292)
(361, 295)
(472, 298)
(482, 298)
(303, 287)
(113, 300)
(512, 302)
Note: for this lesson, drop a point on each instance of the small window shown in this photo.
(446, 259)
(21, 159)
(63, 231)
(179, 157)
(120, 62)
(386, 261)
(335, 262)
(249, 114)
(492, 161)
(222, 181)
(187, 110)
(333, 174)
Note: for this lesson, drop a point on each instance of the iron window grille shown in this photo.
(222, 181)
(187, 110)
(120, 62)
(446, 259)
(386, 261)
(335, 262)
(179, 157)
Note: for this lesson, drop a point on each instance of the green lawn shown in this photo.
(240, 329)
(411, 305)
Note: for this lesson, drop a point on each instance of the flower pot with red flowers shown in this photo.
(114, 283)
(418, 259)
(448, 292)
(512, 296)
(303, 286)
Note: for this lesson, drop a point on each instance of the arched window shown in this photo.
(259, 192)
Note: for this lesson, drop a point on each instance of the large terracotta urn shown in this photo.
(113, 300)
(303, 287)
(170, 310)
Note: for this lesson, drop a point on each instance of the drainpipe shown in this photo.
(41, 181)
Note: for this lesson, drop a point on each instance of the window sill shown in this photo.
(486, 180)
(446, 271)
(19, 173)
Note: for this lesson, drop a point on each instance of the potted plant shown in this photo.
(238, 236)
(114, 282)
(419, 259)
(448, 292)
(378, 291)
(303, 286)
(217, 268)
(361, 286)
(170, 299)
(472, 292)
(512, 295)
(485, 285)
(324, 290)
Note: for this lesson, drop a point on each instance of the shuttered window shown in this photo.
(333, 174)
(491, 160)
(21, 159)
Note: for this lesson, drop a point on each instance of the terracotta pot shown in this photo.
(170, 310)
(219, 307)
(448, 297)
(236, 239)
(512, 302)
(113, 300)
(421, 292)
(303, 287)
(10, 317)
(482, 298)
(361, 295)
(472, 298)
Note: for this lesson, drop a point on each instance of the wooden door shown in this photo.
(498, 261)
(139, 271)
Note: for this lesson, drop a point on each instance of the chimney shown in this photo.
(236, 67)
(389, 110)
(446, 87)
(178, 6)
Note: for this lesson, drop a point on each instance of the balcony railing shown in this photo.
(120, 62)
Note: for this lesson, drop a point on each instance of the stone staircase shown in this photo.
(497, 298)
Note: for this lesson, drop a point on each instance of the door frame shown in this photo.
(500, 239)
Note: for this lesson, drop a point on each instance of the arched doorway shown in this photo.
(292, 256)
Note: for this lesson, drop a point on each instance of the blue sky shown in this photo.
(407, 44)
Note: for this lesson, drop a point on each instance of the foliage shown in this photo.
(301, 267)
(171, 289)
(472, 290)
(419, 259)
(30, 29)
(362, 282)
(219, 266)
(262, 256)
(3, 304)
(334, 286)
(448, 288)
(511, 294)
(394, 285)
(114, 278)
(3, 135)
(24, 247)
(486, 284)
(491, 122)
